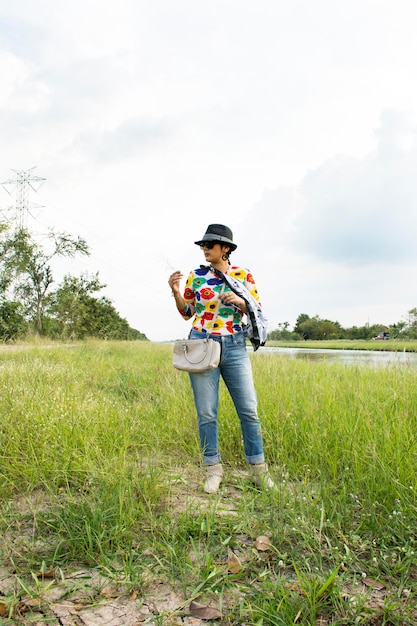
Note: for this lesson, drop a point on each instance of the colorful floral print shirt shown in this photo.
(201, 295)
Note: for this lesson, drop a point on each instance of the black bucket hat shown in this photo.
(218, 233)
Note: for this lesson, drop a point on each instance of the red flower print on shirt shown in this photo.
(207, 293)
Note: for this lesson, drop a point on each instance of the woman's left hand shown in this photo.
(232, 298)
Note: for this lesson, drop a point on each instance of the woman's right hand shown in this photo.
(174, 281)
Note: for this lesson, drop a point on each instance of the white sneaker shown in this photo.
(261, 476)
(214, 478)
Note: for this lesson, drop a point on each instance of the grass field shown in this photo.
(103, 517)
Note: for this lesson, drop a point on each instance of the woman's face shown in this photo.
(213, 251)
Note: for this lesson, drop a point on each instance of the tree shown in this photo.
(412, 323)
(71, 311)
(35, 272)
(15, 250)
(309, 328)
(282, 333)
(314, 328)
(68, 304)
(12, 320)
(303, 317)
(74, 313)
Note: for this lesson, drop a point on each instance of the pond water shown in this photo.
(374, 358)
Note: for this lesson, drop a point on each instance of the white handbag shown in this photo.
(196, 355)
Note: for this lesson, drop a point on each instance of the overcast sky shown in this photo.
(293, 122)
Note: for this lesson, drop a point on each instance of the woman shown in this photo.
(217, 313)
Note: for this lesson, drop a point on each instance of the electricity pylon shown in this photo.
(21, 185)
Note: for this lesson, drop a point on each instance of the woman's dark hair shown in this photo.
(226, 255)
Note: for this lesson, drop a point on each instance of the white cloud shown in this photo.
(361, 211)
(341, 243)
(291, 122)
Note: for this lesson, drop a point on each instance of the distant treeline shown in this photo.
(315, 328)
(30, 305)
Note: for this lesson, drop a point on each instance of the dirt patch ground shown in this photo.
(82, 596)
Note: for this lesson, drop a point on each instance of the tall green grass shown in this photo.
(103, 435)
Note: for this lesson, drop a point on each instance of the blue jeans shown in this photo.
(236, 371)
